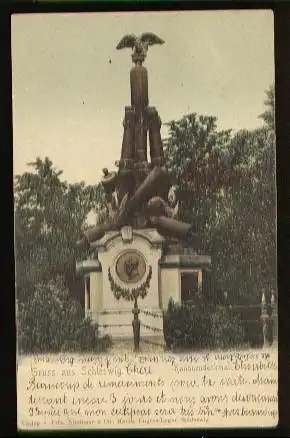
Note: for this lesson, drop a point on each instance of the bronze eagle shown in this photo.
(139, 44)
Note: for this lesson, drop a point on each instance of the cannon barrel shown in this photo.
(156, 147)
(155, 182)
(128, 148)
(86, 267)
(92, 234)
(108, 182)
(139, 87)
(169, 227)
(140, 141)
(125, 179)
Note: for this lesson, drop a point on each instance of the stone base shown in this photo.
(165, 267)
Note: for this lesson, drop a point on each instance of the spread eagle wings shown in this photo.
(128, 41)
(151, 38)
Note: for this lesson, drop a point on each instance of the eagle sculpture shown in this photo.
(139, 44)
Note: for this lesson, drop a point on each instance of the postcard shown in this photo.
(145, 220)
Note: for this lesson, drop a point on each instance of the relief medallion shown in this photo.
(131, 267)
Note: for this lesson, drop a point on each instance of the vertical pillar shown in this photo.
(199, 280)
(264, 320)
(136, 325)
(125, 175)
(96, 292)
(156, 147)
(139, 101)
(16, 308)
(87, 296)
(274, 318)
(127, 151)
(141, 168)
(140, 138)
(139, 86)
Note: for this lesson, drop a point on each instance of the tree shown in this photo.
(253, 202)
(244, 244)
(49, 217)
(226, 185)
(268, 115)
(197, 157)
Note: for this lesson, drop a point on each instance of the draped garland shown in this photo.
(130, 294)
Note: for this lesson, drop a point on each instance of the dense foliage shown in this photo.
(201, 325)
(49, 217)
(226, 185)
(52, 321)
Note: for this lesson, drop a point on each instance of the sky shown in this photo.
(70, 85)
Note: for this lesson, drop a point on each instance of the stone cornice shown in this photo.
(185, 261)
(151, 235)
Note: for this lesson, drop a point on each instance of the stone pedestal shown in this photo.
(129, 259)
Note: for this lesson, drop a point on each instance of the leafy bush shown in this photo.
(227, 329)
(201, 325)
(52, 321)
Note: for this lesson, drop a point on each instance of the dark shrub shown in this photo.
(250, 315)
(52, 321)
(227, 329)
(201, 325)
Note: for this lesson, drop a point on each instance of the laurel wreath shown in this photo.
(130, 294)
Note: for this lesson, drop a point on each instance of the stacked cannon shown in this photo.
(137, 193)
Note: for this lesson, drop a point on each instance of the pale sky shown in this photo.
(68, 100)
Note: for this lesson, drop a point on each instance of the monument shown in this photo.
(143, 255)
